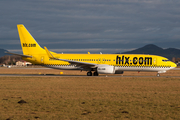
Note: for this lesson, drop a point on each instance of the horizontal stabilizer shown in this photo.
(18, 54)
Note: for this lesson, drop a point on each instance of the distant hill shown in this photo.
(155, 50)
(2, 52)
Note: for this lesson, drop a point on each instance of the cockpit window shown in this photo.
(165, 60)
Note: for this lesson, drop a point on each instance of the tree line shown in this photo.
(10, 59)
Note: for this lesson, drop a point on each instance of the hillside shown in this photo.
(155, 50)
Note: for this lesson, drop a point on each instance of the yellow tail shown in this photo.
(28, 43)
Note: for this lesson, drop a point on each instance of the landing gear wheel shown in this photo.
(95, 74)
(89, 73)
(158, 75)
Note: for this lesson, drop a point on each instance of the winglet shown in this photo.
(49, 54)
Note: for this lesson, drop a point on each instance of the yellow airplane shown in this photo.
(96, 63)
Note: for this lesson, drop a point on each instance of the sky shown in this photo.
(81, 26)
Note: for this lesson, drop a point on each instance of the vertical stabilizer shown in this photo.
(28, 43)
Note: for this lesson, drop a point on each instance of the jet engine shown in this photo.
(106, 69)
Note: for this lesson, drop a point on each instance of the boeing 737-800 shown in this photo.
(96, 63)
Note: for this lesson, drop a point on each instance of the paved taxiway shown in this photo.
(53, 75)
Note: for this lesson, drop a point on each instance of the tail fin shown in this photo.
(28, 43)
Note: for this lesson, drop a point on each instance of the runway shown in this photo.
(48, 72)
(176, 69)
(54, 75)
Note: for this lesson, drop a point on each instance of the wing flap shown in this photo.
(77, 63)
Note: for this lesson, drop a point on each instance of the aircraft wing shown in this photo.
(18, 54)
(77, 63)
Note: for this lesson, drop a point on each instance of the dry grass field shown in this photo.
(84, 98)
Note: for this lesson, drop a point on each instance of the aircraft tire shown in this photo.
(95, 74)
(89, 73)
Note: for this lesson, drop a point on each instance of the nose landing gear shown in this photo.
(158, 75)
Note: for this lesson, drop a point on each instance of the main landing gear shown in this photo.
(90, 73)
(96, 74)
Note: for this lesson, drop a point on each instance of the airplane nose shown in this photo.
(173, 65)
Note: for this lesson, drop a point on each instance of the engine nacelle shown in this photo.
(106, 69)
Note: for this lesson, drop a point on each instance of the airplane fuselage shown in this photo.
(121, 62)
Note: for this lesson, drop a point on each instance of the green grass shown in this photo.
(89, 98)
